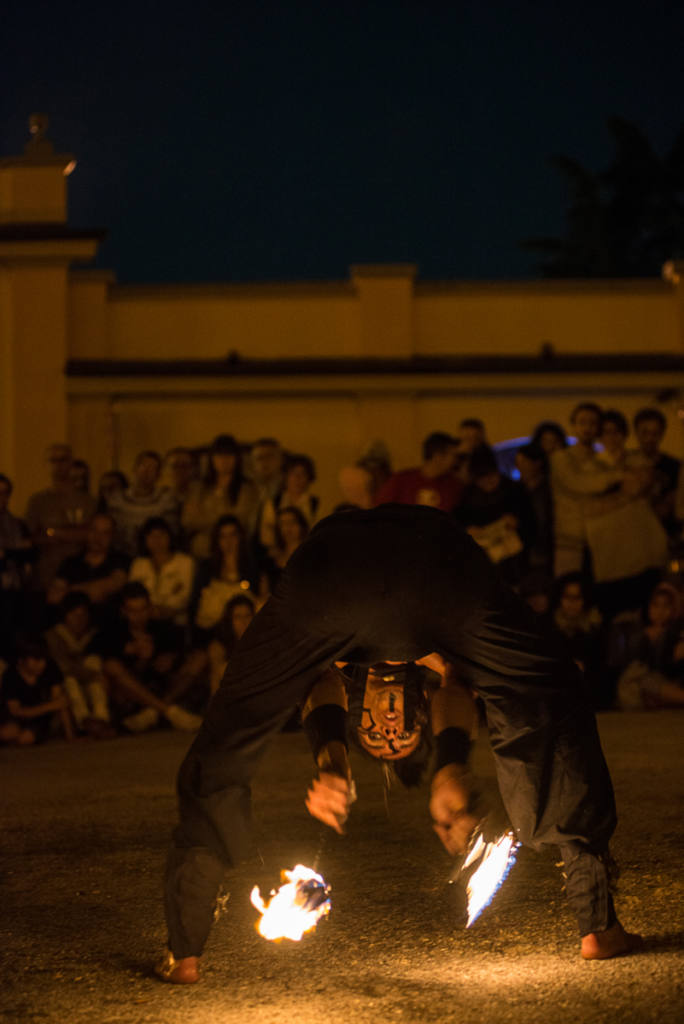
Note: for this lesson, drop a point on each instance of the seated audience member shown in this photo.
(79, 474)
(71, 647)
(536, 590)
(497, 514)
(577, 474)
(654, 656)
(237, 615)
(579, 623)
(291, 529)
(16, 555)
(300, 473)
(613, 438)
(167, 574)
(139, 502)
(550, 437)
(111, 483)
(142, 660)
(226, 573)
(649, 428)
(98, 570)
(532, 464)
(57, 517)
(432, 483)
(224, 491)
(32, 698)
(180, 473)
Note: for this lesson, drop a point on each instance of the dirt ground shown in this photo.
(85, 829)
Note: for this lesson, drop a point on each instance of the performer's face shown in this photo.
(383, 732)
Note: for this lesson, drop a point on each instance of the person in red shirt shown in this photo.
(433, 483)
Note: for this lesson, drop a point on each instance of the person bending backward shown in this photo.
(397, 585)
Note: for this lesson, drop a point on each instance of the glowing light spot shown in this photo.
(295, 908)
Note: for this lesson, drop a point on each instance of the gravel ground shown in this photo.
(85, 829)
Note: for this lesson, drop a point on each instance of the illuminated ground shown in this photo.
(84, 835)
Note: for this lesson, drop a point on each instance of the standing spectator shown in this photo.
(614, 433)
(142, 661)
(142, 500)
(99, 571)
(112, 483)
(180, 473)
(360, 483)
(224, 491)
(16, 554)
(167, 574)
(31, 697)
(532, 464)
(80, 476)
(237, 615)
(227, 572)
(70, 644)
(549, 436)
(266, 467)
(649, 427)
(577, 473)
(472, 434)
(57, 517)
(496, 513)
(432, 483)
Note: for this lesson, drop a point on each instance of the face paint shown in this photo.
(382, 731)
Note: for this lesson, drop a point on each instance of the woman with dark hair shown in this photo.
(166, 573)
(237, 615)
(300, 473)
(225, 574)
(291, 528)
(224, 491)
(549, 436)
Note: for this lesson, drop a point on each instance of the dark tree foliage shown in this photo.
(625, 221)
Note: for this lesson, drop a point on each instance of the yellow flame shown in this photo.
(286, 915)
(497, 858)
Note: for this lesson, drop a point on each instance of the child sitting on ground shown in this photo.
(31, 696)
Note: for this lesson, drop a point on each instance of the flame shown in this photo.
(295, 908)
(496, 860)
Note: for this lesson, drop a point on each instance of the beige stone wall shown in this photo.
(372, 315)
(575, 317)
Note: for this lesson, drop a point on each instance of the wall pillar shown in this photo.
(385, 293)
(36, 248)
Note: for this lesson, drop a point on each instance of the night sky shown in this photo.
(282, 141)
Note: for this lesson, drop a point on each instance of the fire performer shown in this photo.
(396, 584)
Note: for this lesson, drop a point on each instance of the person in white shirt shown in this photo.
(167, 574)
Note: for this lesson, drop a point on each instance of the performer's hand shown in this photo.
(449, 807)
(329, 799)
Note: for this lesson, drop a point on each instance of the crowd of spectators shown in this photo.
(119, 609)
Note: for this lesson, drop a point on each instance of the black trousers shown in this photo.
(550, 767)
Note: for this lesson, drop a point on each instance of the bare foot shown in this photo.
(178, 972)
(615, 941)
